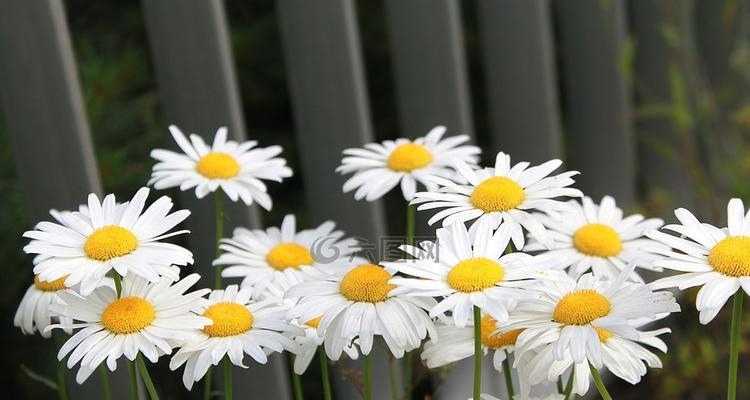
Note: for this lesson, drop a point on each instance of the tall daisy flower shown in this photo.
(465, 272)
(578, 311)
(238, 326)
(33, 313)
(358, 302)
(597, 238)
(280, 254)
(86, 245)
(148, 318)
(379, 167)
(501, 194)
(718, 259)
(236, 168)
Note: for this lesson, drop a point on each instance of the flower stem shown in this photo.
(219, 234)
(508, 377)
(560, 388)
(62, 390)
(477, 353)
(394, 378)
(324, 374)
(207, 386)
(599, 384)
(146, 378)
(296, 382)
(368, 377)
(133, 381)
(569, 385)
(734, 344)
(409, 359)
(227, 379)
(118, 282)
(105, 382)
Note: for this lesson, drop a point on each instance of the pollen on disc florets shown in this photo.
(475, 275)
(408, 157)
(229, 319)
(581, 307)
(313, 323)
(731, 256)
(218, 166)
(110, 242)
(597, 240)
(50, 286)
(497, 340)
(129, 314)
(366, 283)
(288, 255)
(497, 194)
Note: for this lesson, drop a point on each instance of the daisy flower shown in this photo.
(717, 259)
(148, 318)
(237, 327)
(359, 302)
(501, 194)
(85, 246)
(34, 314)
(379, 167)
(597, 238)
(576, 312)
(467, 272)
(278, 254)
(238, 169)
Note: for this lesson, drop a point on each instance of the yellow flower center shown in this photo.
(229, 319)
(498, 340)
(731, 256)
(288, 255)
(53, 286)
(408, 157)
(313, 323)
(110, 242)
(475, 275)
(604, 334)
(128, 315)
(581, 307)
(218, 166)
(597, 240)
(366, 283)
(497, 194)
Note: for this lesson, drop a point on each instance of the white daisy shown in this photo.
(718, 259)
(358, 302)
(551, 396)
(501, 194)
(34, 314)
(575, 311)
(465, 272)
(148, 318)
(237, 327)
(597, 238)
(86, 245)
(379, 167)
(279, 254)
(623, 357)
(238, 169)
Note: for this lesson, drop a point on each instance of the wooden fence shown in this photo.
(577, 106)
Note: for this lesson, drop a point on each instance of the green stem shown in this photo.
(227, 379)
(324, 374)
(62, 390)
(118, 282)
(207, 387)
(104, 376)
(734, 344)
(409, 359)
(394, 378)
(560, 388)
(219, 234)
(508, 377)
(296, 382)
(477, 353)
(410, 224)
(368, 377)
(599, 384)
(133, 381)
(146, 378)
(569, 385)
